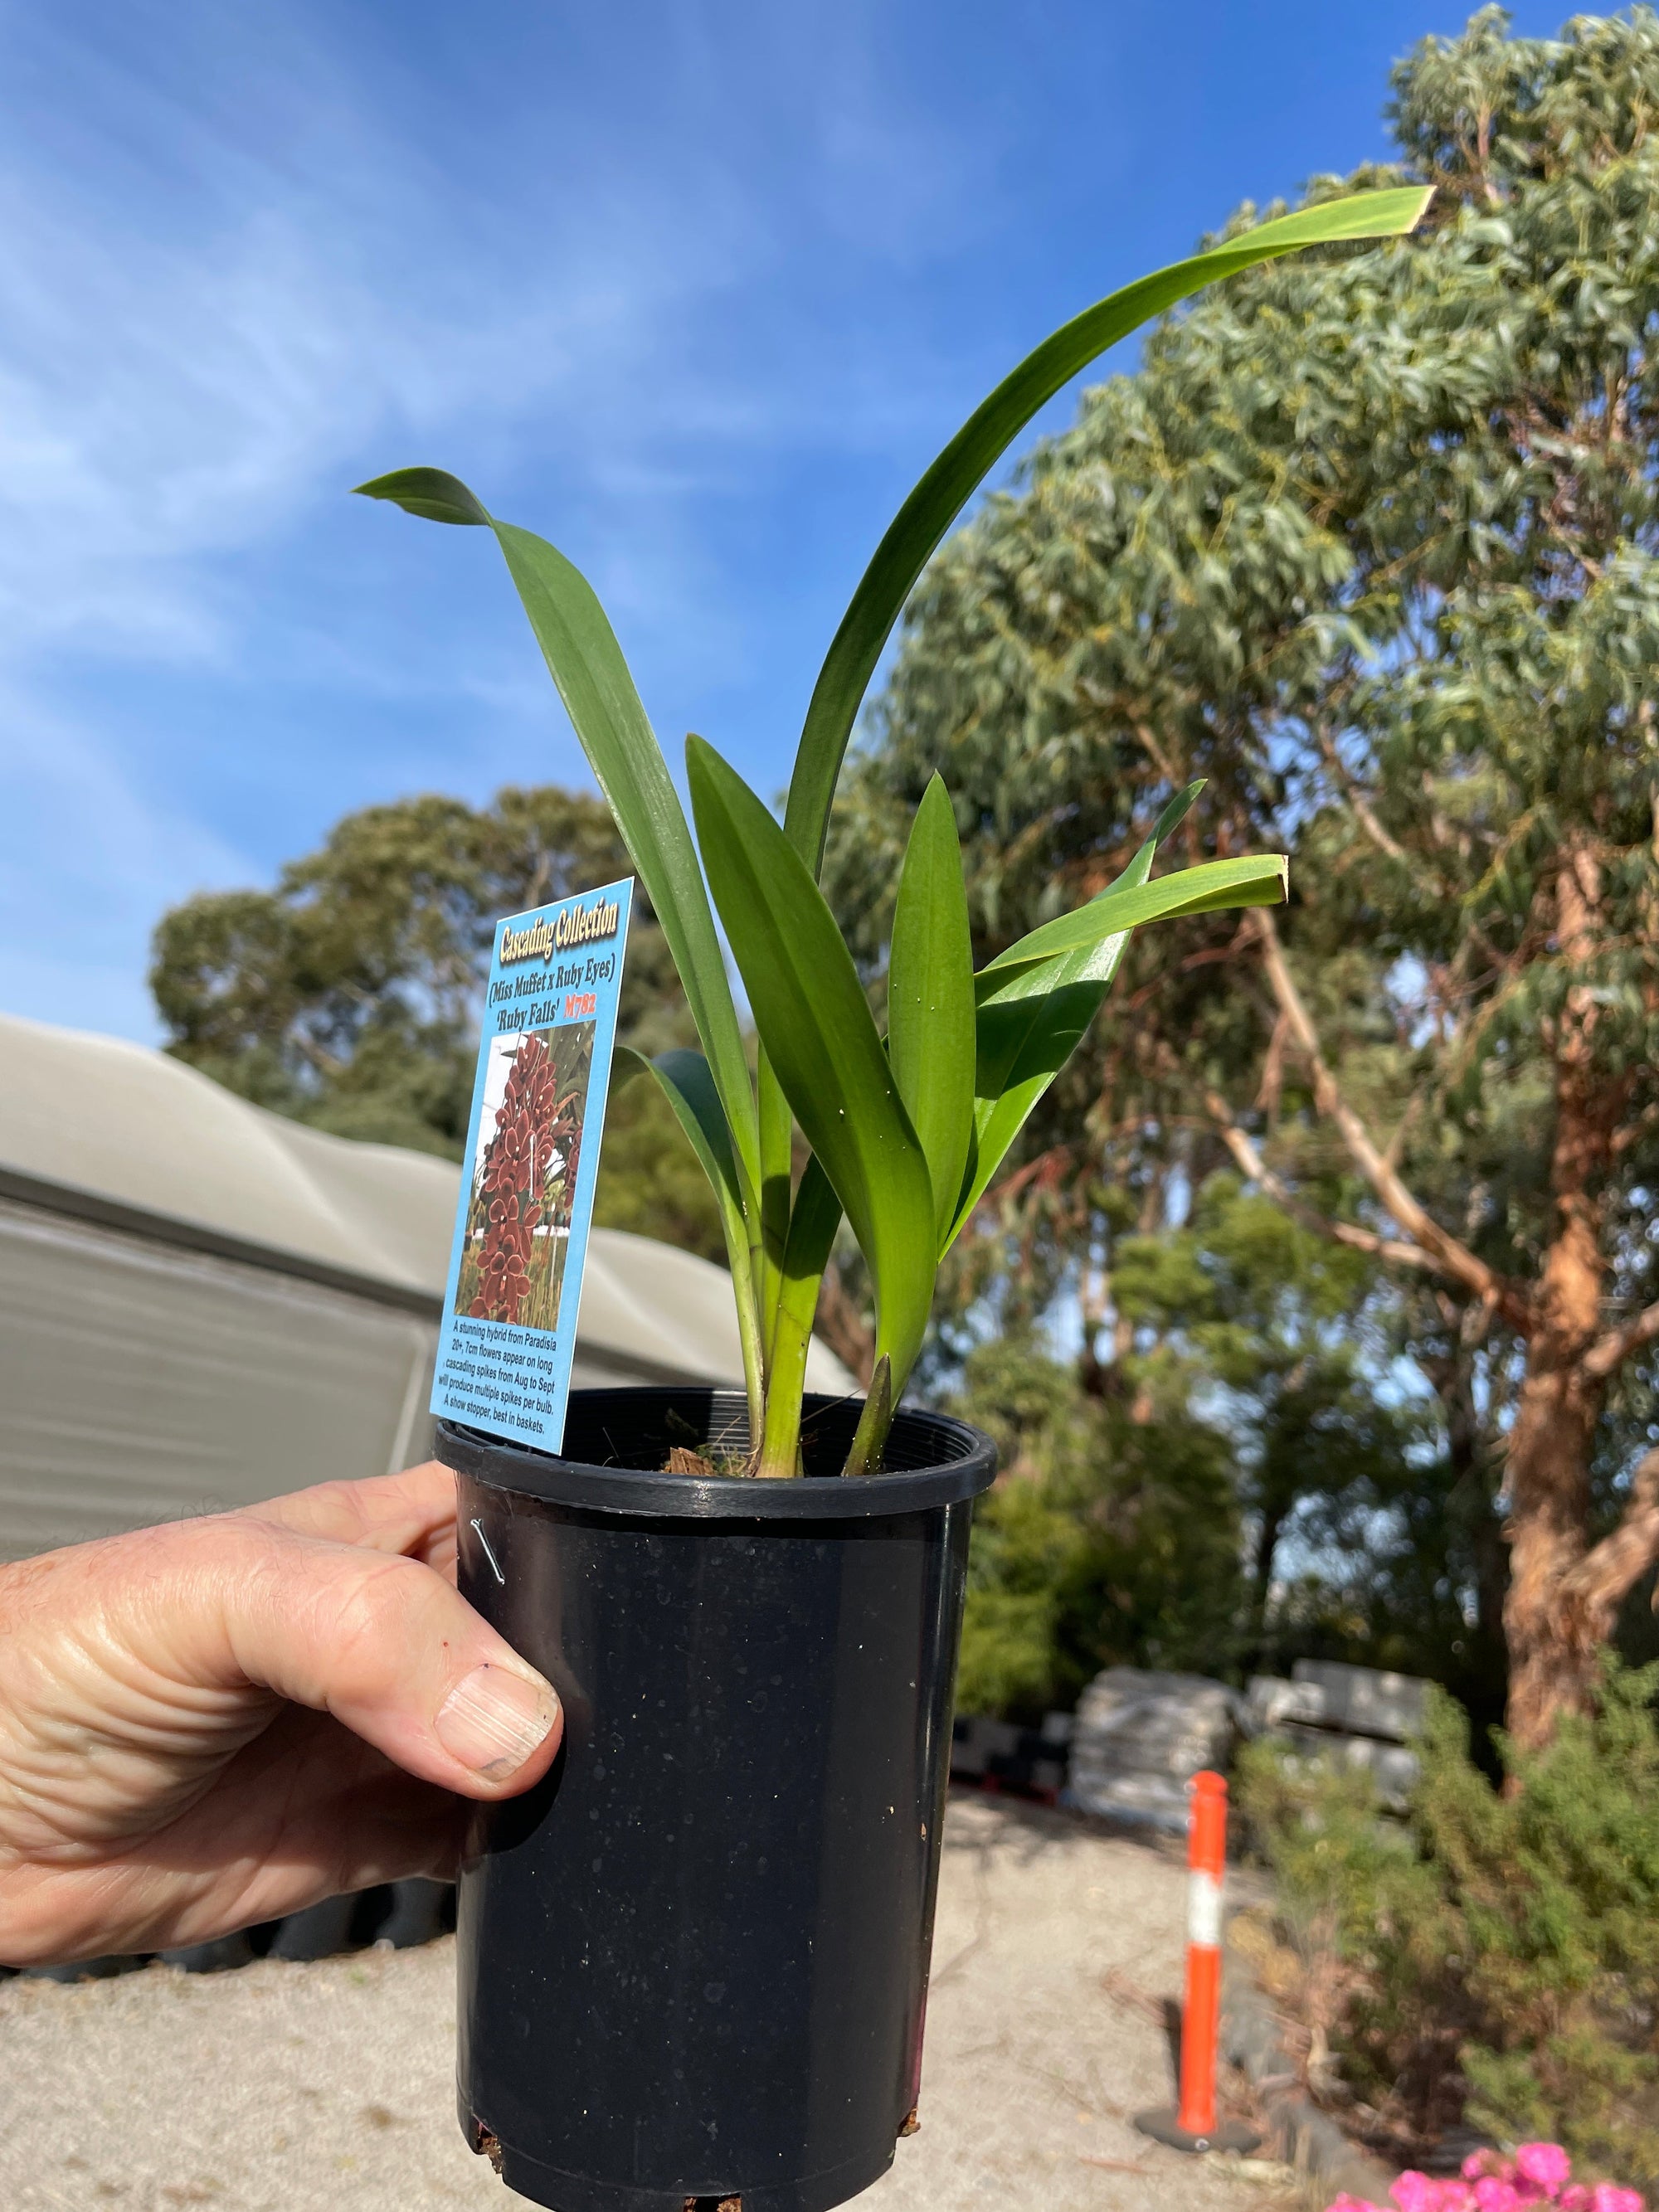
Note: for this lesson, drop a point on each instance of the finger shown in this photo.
(381, 1641)
(411, 1513)
(305, 1812)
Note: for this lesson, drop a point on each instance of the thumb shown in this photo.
(384, 1644)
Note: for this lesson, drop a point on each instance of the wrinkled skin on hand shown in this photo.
(216, 1723)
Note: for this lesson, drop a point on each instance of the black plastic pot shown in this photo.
(694, 1961)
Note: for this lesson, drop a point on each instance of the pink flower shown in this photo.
(1544, 2163)
(1480, 2162)
(1576, 2199)
(1604, 2197)
(1415, 2193)
(1493, 2194)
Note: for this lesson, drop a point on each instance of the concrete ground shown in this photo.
(329, 2088)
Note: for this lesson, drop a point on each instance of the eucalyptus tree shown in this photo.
(1370, 543)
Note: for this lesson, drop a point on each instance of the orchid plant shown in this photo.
(904, 1131)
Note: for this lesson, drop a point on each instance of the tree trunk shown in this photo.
(1273, 1515)
(1551, 1653)
(1547, 1477)
(1470, 1456)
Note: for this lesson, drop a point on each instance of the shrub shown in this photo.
(1106, 1540)
(1499, 1960)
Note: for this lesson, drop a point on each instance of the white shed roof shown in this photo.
(94, 1126)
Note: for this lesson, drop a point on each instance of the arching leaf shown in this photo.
(920, 525)
(930, 999)
(813, 1019)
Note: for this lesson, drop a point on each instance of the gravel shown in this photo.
(329, 2088)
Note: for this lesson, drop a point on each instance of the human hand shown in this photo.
(218, 1721)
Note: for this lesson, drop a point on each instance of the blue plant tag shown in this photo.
(533, 1158)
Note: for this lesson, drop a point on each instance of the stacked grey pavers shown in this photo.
(1356, 1718)
(1138, 1738)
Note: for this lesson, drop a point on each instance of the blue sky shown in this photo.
(697, 290)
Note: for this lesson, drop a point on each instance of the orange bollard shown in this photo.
(1200, 2018)
(1193, 2125)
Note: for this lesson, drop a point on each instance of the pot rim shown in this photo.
(950, 1461)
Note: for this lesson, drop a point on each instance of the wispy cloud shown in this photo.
(86, 862)
(240, 258)
(226, 267)
(695, 284)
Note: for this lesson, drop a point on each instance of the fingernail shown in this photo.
(494, 1719)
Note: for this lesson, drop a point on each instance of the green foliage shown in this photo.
(593, 680)
(684, 1083)
(815, 1026)
(1270, 1329)
(1372, 542)
(1266, 1350)
(348, 995)
(931, 1021)
(1503, 1954)
(649, 1183)
(1106, 1540)
(946, 486)
(764, 880)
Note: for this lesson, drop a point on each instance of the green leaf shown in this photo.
(1174, 813)
(1032, 1020)
(1026, 1034)
(586, 663)
(431, 493)
(930, 999)
(921, 523)
(1257, 879)
(684, 1079)
(812, 1224)
(814, 1019)
(777, 1160)
(686, 1082)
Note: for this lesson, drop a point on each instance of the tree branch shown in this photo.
(1589, 1593)
(1250, 1163)
(1364, 813)
(1443, 1251)
(1612, 1350)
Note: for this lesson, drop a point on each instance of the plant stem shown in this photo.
(780, 1456)
(749, 1332)
(874, 1422)
(776, 1125)
(812, 1224)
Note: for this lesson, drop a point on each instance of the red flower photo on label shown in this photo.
(523, 1176)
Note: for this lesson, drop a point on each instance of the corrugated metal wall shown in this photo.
(138, 1382)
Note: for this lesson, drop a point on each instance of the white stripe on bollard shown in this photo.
(1204, 1910)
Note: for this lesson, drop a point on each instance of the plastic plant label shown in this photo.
(533, 1158)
